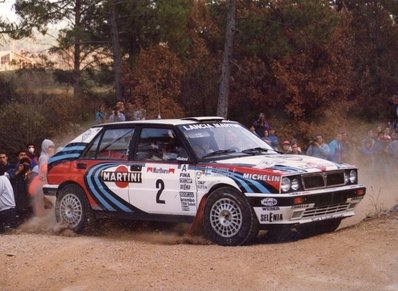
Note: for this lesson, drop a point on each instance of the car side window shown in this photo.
(112, 145)
(159, 144)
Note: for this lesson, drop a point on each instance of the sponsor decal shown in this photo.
(186, 194)
(269, 202)
(301, 206)
(261, 177)
(202, 185)
(314, 166)
(271, 217)
(156, 170)
(121, 176)
(186, 180)
(208, 125)
(182, 159)
(272, 208)
(185, 187)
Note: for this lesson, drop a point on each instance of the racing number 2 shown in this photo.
(160, 186)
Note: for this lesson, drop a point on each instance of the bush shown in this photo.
(21, 124)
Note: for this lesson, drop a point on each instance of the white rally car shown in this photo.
(206, 168)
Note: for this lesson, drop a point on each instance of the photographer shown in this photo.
(318, 148)
(20, 180)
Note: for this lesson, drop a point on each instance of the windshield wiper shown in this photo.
(255, 150)
(219, 152)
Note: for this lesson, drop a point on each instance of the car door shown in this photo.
(168, 181)
(108, 171)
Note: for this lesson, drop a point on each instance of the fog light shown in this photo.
(298, 200)
(360, 192)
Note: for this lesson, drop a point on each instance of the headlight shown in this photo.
(285, 184)
(295, 184)
(353, 176)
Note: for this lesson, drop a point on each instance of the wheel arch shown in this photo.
(69, 183)
(223, 185)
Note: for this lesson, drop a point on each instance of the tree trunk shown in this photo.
(222, 106)
(117, 59)
(76, 54)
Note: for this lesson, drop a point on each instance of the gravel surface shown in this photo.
(40, 257)
(361, 255)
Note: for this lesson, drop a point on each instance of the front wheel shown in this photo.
(73, 209)
(229, 219)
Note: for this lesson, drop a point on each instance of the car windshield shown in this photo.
(216, 140)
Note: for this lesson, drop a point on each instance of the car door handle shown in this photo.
(135, 168)
(81, 166)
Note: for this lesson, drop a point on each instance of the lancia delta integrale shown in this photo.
(204, 168)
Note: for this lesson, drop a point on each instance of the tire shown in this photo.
(229, 220)
(72, 209)
(319, 227)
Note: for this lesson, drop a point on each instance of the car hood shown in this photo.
(294, 164)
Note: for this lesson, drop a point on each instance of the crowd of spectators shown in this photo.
(120, 112)
(21, 195)
(377, 150)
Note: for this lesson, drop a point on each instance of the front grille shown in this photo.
(334, 179)
(323, 180)
(325, 210)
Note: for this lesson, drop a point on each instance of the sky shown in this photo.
(6, 11)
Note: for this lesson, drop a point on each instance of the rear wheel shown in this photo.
(73, 209)
(229, 219)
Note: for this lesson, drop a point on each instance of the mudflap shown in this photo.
(197, 224)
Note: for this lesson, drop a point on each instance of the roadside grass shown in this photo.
(377, 207)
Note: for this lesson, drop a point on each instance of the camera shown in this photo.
(25, 162)
(26, 167)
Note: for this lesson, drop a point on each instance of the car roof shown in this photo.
(185, 120)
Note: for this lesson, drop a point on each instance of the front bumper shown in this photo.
(306, 206)
(50, 190)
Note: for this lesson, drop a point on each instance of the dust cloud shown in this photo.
(381, 191)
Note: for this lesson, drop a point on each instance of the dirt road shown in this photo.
(362, 255)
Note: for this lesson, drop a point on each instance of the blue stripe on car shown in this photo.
(93, 180)
(54, 159)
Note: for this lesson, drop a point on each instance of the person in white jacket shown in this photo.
(8, 216)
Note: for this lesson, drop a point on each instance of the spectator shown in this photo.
(7, 205)
(32, 155)
(36, 186)
(295, 149)
(5, 166)
(367, 152)
(120, 106)
(117, 115)
(261, 125)
(318, 148)
(19, 179)
(139, 114)
(286, 147)
(350, 148)
(274, 139)
(253, 130)
(266, 137)
(129, 111)
(336, 149)
(100, 114)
